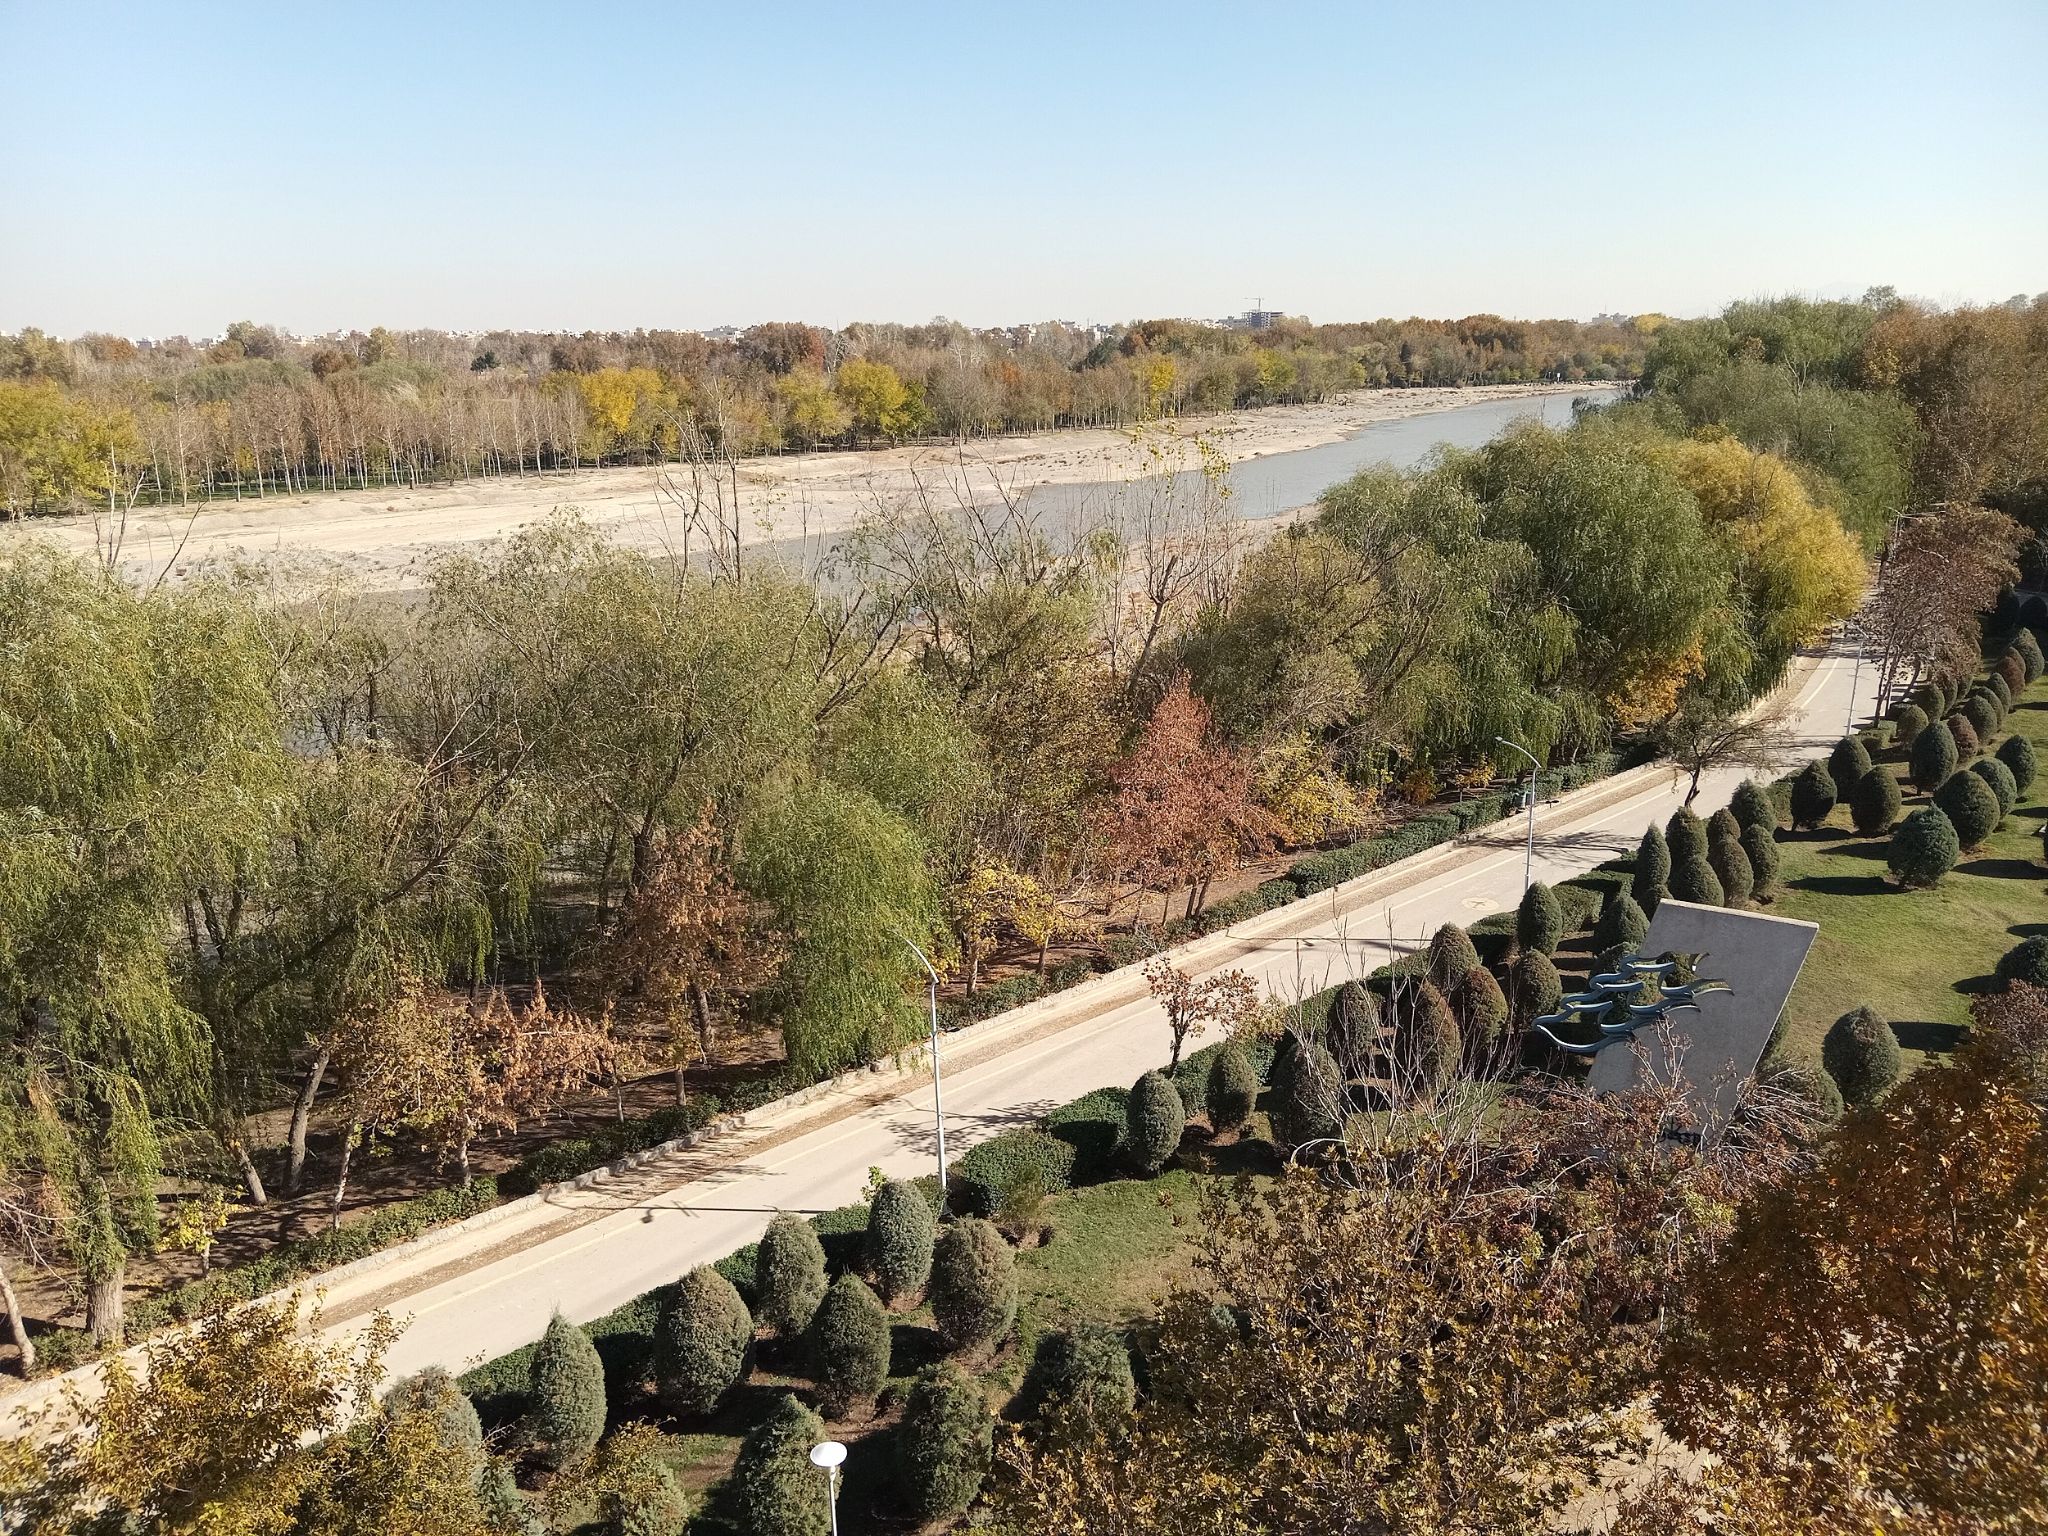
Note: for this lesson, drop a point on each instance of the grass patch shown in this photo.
(1917, 957)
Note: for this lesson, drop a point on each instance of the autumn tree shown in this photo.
(1183, 810)
(689, 947)
(1942, 571)
(996, 904)
(1871, 1344)
(1227, 999)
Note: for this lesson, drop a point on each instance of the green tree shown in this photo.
(846, 877)
(1154, 1119)
(1813, 795)
(789, 1274)
(1482, 1016)
(1652, 874)
(1307, 1094)
(1451, 956)
(435, 1393)
(566, 1403)
(1232, 1088)
(775, 1489)
(1933, 758)
(1089, 1367)
(880, 403)
(1695, 881)
(1875, 804)
(974, 1287)
(1847, 763)
(1753, 807)
(2017, 753)
(1971, 806)
(1761, 845)
(945, 1444)
(1539, 921)
(1861, 1054)
(701, 1341)
(1427, 1046)
(1923, 849)
(846, 1347)
(1910, 720)
(1535, 987)
(1732, 869)
(1622, 924)
(2003, 785)
(901, 1230)
(1685, 836)
(1982, 713)
(2026, 962)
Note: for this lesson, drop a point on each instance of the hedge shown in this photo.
(385, 1227)
(991, 1168)
(1013, 992)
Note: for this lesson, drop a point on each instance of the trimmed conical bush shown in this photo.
(1876, 803)
(1539, 921)
(2017, 753)
(776, 1491)
(1982, 713)
(902, 1226)
(2026, 962)
(974, 1286)
(1963, 732)
(1307, 1095)
(1862, 1055)
(700, 1342)
(1623, 924)
(945, 1444)
(1154, 1119)
(1762, 847)
(1813, 795)
(565, 1400)
(1933, 758)
(1731, 868)
(1753, 807)
(1451, 955)
(1847, 764)
(1911, 720)
(1427, 1046)
(1482, 1011)
(1696, 882)
(846, 1347)
(1923, 849)
(789, 1275)
(439, 1396)
(1685, 835)
(2002, 783)
(1652, 874)
(1971, 806)
(1232, 1088)
(1536, 986)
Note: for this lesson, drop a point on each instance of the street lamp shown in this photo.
(938, 1107)
(826, 1457)
(1855, 632)
(1528, 799)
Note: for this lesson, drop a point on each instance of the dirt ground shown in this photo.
(390, 532)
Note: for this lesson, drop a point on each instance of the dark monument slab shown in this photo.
(1759, 958)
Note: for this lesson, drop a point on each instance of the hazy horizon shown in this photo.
(642, 166)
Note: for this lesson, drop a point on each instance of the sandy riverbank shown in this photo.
(392, 532)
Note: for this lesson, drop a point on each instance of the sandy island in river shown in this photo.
(392, 530)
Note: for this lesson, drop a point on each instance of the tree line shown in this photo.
(573, 812)
(259, 412)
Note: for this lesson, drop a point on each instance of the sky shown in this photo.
(168, 167)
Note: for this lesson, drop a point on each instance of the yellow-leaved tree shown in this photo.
(1799, 568)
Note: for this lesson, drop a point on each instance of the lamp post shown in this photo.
(826, 1455)
(1528, 799)
(938, 1106)
(1855, 677)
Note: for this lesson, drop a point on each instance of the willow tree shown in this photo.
(141, 759)
(849, 884)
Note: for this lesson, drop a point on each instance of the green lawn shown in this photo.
(1914, 956)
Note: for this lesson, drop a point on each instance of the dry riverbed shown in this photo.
(392, 531)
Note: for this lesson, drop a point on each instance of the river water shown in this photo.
(1279, 483)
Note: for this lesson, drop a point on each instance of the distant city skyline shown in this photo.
(628, 166)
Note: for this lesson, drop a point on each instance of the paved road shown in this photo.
(587, 1252)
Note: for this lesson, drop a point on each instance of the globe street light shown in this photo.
(1528, 799)
(826, 1456)
(938, 1108)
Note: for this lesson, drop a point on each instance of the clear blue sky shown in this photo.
(170, 167)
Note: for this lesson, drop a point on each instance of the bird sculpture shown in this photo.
(1606, 1003)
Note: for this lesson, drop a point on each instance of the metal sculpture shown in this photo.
(1605, 1003)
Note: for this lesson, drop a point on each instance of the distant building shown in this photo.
(1255, 320)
